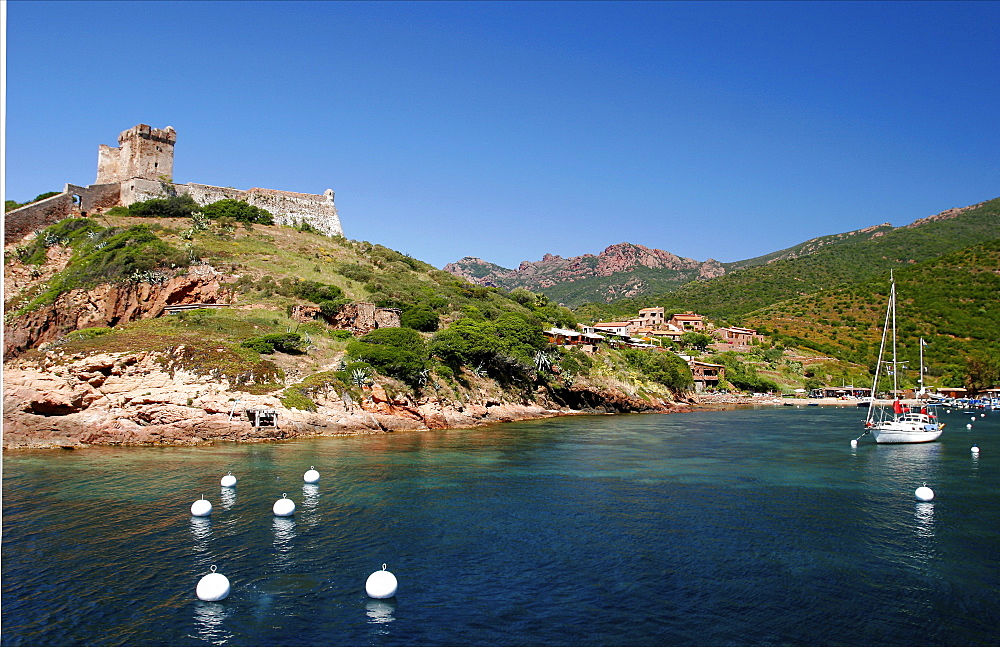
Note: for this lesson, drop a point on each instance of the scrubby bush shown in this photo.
(289, 342)
(396, 352)
(239, 211)
(179, 206)
(666, 368)
(419, 318)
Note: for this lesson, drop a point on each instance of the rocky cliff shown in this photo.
(105, 305)
(59, 400)
(553, 270)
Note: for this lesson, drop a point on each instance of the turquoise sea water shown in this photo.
(713, 528)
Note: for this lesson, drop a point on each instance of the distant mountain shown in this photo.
(823, 264)
(619, 271)
(629, 270)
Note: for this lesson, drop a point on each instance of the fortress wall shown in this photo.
(96, 196)
(204, 194)
(18, 223)
(291, 208)
(138, 190)
(107, 165)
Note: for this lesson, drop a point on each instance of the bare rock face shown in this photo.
(110, 304)
(140, 399)
(554, 269)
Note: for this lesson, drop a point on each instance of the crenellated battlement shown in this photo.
(166, 136)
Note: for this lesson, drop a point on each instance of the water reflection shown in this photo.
(310, 496)
(208, 621)
(228, 497)
(284, 533)
(379, 613)
(925, 519)
(201, 529)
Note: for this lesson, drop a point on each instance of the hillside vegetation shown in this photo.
(841, 262)
(458, 340)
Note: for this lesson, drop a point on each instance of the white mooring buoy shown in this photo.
(381, 584)
(284, 507)
(968, 426)
(924, 493)
(202, 507)
(229, 480)
(213, 587)
(311, 475)
(854, 442)
(975, 449)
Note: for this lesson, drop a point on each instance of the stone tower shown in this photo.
(143, 152)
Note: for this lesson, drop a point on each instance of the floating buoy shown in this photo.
(982, 415)
(924, 493)
(202, 507)
(975, 449)
(968, 426)
(381, 584)
(229, 480)
(311, 475)
(213, 587)
(284, 507)
(854, 443)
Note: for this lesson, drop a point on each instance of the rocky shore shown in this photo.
(133, 399)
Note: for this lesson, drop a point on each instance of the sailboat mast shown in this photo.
(921, 366)
(895, 366)
(881, 353)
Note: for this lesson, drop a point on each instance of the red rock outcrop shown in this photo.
(110, 304)
(140, 399)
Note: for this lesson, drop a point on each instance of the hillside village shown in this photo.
(651, 329)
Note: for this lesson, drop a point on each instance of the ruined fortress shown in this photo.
(141, 168)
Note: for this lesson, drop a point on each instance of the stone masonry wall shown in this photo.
(18, 223)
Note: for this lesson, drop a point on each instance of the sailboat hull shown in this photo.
(884, 436)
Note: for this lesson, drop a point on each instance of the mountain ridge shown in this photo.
(629, 270)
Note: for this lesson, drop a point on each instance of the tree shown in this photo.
(695, 340)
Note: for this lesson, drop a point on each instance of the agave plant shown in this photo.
(361, 377)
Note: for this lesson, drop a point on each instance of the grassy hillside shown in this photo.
(950, 302)
(850, 261)
(457, 338)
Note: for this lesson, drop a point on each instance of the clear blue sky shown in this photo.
(507, 130)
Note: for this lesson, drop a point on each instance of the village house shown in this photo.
(705, 375)
(612, 327)
(586, 341)
(737, 336)
(688, 321)
(652, 318)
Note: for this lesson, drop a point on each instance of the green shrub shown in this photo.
(238, 211)
(396, 352)
(180, 206)
(288, 342)
(419, 318)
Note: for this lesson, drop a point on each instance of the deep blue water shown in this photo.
(711, 528)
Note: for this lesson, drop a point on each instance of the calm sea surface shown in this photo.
(734, 527)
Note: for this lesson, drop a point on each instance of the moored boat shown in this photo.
(899, 423)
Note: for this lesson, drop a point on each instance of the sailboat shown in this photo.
(899, 423)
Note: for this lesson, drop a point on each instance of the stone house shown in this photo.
(688, 321)
(737, 336)
(705, 375)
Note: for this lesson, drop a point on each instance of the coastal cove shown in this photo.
(741, 526)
